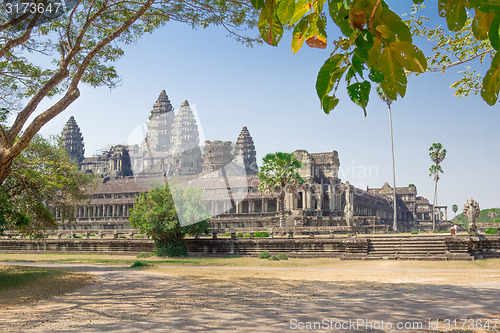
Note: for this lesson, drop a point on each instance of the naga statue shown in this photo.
(471, 210)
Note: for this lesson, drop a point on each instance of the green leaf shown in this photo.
(494, 33)
(455, 13)
(390, 28)
(299, 35)
(409, 56)
(257, 4)
(360, 93)
(394, 75)
(358, 63)
(481, 24)
(324, 82)
(487, 6)
(271, 30)
(340, 15)
(329, 103)
(300, 9)
(491, 82)
(286, 10)
(316, 32)
(364, 42)
(375, 75)
(417, 2)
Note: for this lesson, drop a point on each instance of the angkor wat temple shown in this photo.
(227, 175)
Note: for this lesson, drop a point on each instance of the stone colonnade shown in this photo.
(103, 210)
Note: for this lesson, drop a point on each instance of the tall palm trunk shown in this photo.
(281, 202)
(395, 221)
(435, 204)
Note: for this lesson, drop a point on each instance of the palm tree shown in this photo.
(388, 101)
(279, 173)
(455, 209)
(437, 155)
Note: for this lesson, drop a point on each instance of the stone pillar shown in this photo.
(264, 205)
(251, 206)
(113, 210)
(238, 205)
(124, 210)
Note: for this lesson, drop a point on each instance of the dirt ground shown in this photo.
(256, 296)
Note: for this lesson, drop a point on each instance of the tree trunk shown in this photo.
(281, 202)
(5, 165)
(395, 221)
(435, 204)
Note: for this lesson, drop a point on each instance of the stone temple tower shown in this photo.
(160, 124)
(185, 153)
(73, 140)
(245, 150)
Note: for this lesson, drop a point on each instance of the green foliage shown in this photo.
(273, 257)
(377, 43)
(485, 216)
(437, 155)
(138, 264)
(282, 256)
(491, 231)
(278, 174)
(414, 232)
(157, 214)
(43, 179)
(261, 234)
(264, 255)
(143, 255)
(454, 208)
(239, 234)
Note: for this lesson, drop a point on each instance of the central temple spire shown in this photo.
(160, 124)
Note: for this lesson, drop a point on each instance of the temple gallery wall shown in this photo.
(227, 174)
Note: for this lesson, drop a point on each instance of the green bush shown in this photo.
(239, 234)
(273, 257)
(491, 231)
(282, 256)
(143, 255)
(264, 255)
(261, 234)
(139, 264)
(138, 236)
(227, 234)
(171, 248)
(414, 232)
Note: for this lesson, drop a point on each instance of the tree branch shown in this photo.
(459, 62)
(24, 37)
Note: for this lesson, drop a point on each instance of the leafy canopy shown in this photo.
(43, 180)
(162, 213)
(279, 171)
(49, 56)
(375, 45)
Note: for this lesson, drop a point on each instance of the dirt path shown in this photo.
(124, 300)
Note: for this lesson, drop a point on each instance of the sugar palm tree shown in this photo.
(278, 174)
(455, 209)
(437, 155)
(388, 101)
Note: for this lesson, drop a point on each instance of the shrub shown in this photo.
(138, 236)
(491, 231)
(414, 232)
(227, 234)
(273, 257)
(143, 255)
(261, 234)
(139, 264)
(239, 234)
(264, 255)
(282, 256)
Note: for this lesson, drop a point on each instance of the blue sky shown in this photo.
(272, 92)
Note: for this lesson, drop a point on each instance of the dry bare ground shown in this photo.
(269, 298)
